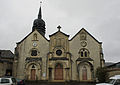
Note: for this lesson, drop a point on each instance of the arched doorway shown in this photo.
(58, 74)
(85, 71)
(33, 71)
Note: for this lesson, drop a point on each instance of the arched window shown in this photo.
(84, 52)
(34, 53)
(35, 36)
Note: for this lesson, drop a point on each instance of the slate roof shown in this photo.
(6, 54)
(114, 65)
(9, 62)
(108, 63)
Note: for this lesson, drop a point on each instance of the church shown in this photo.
(58, 59)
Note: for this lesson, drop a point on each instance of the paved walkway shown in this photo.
(56, 83)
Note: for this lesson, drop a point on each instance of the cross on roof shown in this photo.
(59, 27)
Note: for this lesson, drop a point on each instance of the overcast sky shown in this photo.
(101, 18)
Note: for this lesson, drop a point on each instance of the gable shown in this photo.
(59, 33)
(87, 33)
(31, 34)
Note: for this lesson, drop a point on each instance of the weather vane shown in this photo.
(40, 3)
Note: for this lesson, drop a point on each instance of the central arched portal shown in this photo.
(58, 74)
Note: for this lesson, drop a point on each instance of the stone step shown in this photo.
(56, 83)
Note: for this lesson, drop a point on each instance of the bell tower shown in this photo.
(39, 23)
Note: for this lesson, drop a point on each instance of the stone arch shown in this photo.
(85, 61)
(33, 71)
(63, 63)
(85, 71)
(31, 63)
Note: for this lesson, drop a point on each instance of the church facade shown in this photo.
(57, 59)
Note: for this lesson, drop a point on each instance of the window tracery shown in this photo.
(84, 52)
(34, 52)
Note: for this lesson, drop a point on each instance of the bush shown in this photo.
(101, 74)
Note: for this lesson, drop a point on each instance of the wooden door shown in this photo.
(58, 72)
(33, 74)
(84, 73)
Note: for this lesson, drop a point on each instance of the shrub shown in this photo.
(101, 74)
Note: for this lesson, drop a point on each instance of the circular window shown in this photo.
(83, 43)
(34, 53)
(59, 52)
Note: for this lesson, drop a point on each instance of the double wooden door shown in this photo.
(58, 75)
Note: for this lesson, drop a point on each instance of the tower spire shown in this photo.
(40, 12)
